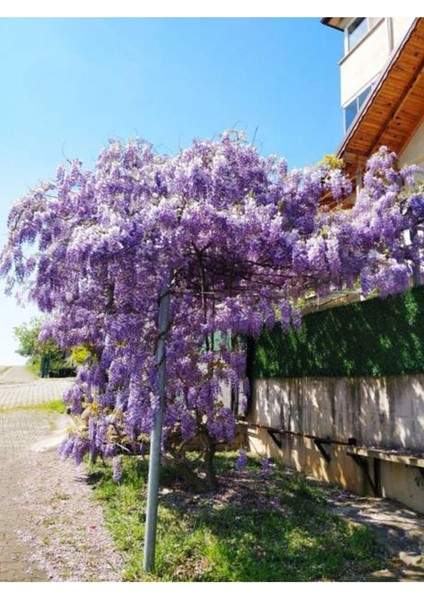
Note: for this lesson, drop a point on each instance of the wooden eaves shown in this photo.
(395, 107)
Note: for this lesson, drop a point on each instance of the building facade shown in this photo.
(382, 88)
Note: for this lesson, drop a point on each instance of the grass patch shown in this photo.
(56, 406)
(256, 527)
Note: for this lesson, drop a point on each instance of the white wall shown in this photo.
(413, 153)
(364, 62)
(369, 57)
(400, 28)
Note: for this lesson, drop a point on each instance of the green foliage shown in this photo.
(57, 406)
(332, 162)
(29, 344)
(27, 336)
(276, 527)
(78, 356)
(377, 337)
(45, 357)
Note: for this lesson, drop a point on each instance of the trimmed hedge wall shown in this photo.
(372, 338)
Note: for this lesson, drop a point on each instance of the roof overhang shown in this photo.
(394, 108)
(335, 22)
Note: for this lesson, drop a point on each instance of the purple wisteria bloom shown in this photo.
(265, 466)
(241, 462)
(237, 239)
(117, 468)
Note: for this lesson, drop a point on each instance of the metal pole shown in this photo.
(156, 438)
(416, 269)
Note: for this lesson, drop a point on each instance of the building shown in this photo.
(363, 432)
(382, 88)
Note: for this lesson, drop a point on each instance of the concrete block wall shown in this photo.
(385, 413)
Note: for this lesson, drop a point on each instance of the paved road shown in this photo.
(17, 432)
(17, 374)
(19, 387)
(50, 526)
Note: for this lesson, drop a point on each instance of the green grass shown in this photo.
(57, 406)
(255, 528)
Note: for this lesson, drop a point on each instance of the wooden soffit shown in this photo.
(394, 108)
(335, 22)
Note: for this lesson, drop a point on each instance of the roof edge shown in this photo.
(333, 22)
(386, 71)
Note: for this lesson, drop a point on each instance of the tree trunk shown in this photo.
(191, 480)
(209, 449)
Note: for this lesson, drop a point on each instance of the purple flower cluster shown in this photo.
(241, 461)
(238, 240)
(265, 466)
(117, 468)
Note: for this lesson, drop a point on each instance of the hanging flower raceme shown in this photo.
(236, 238)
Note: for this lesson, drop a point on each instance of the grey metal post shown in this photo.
(416, 269)
(156, 438)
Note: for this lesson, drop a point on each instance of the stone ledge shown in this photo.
(389, 456)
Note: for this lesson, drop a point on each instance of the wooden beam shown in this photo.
(397, 107)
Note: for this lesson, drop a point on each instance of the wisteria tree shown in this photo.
(236, 241)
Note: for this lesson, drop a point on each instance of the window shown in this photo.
(356, 30)
(352, 109)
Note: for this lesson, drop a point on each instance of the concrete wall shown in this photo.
(404, 484)
(302, 454)
(385, 413)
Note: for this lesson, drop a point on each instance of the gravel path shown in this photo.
(51, 529)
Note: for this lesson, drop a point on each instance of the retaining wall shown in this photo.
(364, 433)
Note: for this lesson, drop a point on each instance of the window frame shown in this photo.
(370, 23)
(358, 101)
(362, 22)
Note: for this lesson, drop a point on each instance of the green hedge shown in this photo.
(372, 338)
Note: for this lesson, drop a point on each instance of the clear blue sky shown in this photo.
(69, 85)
